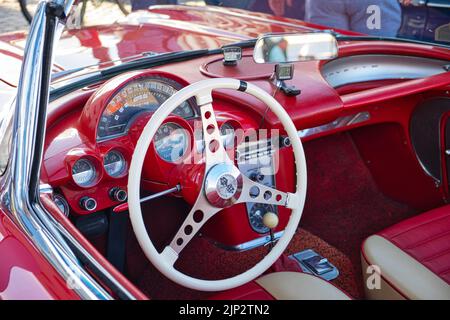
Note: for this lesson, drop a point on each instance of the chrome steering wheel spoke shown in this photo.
(200, 213)
(214, 149)
(208, 203)
(258, 193)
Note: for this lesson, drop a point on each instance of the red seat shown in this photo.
(426, 238)
(414, 256)
(249, 291)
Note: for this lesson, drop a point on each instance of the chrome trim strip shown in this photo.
(45, 188)
(252, 244)
(338, 123)
(438, 5)
(81, 249)
(19, 172)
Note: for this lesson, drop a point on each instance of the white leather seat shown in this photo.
(299, 286)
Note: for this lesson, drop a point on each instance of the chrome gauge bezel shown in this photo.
(61, 203)
(92, 179)
(123, 168)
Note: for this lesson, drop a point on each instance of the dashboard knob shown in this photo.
(118, 194)
(88, 203)
(270, 220)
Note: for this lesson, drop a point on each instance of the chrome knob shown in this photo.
(118, 194)
(88, 203)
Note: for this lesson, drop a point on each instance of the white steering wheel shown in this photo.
(212, 197)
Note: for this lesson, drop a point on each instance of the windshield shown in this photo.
(103, 33)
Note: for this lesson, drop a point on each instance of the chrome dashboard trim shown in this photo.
(252, 244)
(336, 124)
(372, 67)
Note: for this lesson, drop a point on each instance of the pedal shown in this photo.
(313, 263)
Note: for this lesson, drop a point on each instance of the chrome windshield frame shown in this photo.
(20, 194)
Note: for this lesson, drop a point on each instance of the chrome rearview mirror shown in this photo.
(284, 48)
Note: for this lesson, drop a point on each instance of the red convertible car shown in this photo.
(210, 153)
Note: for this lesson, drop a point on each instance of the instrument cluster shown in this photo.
(86, 171)
(102, 139)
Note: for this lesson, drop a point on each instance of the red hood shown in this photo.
(161, 29)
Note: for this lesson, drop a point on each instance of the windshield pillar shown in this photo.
(20, 184)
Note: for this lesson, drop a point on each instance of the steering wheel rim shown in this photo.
(165, 260)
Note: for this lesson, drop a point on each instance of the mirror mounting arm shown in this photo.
(283, 72)
(288, 90)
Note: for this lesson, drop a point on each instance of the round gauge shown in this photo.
(114, 163)
(256, 214)
(227, 133)
(171, 142)
(83, 172)
(145, 94)
(62, 204)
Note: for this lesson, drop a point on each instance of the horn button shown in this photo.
(223, 185)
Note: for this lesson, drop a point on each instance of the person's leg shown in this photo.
(375, 17)
(330, 13)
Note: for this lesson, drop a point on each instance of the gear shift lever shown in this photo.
(270, 220)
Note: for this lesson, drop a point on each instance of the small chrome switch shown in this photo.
(118, 194)
(88, 204)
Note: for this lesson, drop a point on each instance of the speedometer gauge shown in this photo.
(145, 94)
(171, 142)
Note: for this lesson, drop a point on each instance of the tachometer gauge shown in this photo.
(145, 94)
(83, 172)
(114, 163)
(227, 133)
(171, 142)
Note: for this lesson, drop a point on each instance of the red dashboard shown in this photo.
(99, 126)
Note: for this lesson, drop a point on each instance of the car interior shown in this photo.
(374, 127)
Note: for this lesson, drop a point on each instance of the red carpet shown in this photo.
(202, 259)
(343, 205)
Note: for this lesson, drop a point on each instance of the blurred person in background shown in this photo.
(372, 17)
(285, 8)
(144, 4)
(241, 4)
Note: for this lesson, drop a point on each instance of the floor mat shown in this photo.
(202, 259)
(343, 204)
